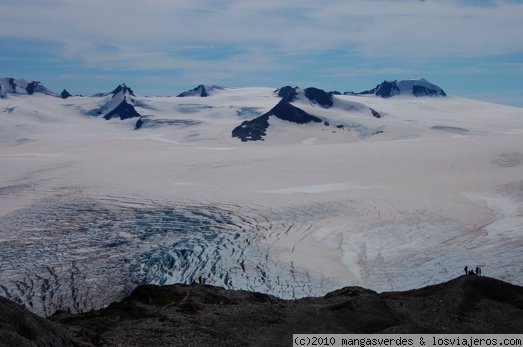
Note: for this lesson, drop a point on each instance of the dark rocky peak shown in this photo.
(288, 93)
(31, 87)
(124, 110)
(285, 111)
(386, 89)
(201, 90)
(123, 88)
(12, 84)
(315, 95)
(255, 129)
(252, 130)
(319, 96)
(65, 94)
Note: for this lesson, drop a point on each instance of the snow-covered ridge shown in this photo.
(10, 85)
(201, 90)
(291, 109)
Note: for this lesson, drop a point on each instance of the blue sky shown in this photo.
(162, 47)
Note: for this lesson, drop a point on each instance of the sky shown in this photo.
(470, 48)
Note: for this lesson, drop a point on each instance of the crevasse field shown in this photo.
(90, 208)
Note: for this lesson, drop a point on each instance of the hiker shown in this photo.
(471, 272)
(466, 270)
(478, 271)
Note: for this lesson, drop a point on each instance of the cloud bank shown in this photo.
(216, 40)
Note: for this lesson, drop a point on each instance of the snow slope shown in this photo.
(90, 207)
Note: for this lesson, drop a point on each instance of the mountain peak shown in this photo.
(414, 86)
(123, 88)
(200, 90)
(9, 85)
(65, 94)
(255, 129)
(119, 105)
(315, 95)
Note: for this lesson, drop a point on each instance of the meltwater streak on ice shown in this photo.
(80, 254)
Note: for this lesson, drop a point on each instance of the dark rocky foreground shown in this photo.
(200, 315)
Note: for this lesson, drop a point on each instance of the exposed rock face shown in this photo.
(254, 130)
(288, 93)
(19, 327)
(205, 315)
(319, 96)
(124, 110)
(65, 94)
(386, 89)
(31, 87)
(122, 88)
(375, 113)
(12, 84)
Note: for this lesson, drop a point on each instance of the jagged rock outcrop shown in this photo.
(122, 88)
(315, 95)
(65, 94)
(255, 129)
(415, 87)
(205, 315)
(319, 96)
(19, 327)
(375, 113)
(287, 93)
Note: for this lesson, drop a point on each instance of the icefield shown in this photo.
(90, 208)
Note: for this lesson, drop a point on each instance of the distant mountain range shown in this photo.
(292, 104)
(415, 87)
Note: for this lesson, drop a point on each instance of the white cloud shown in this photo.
(175, 34)
(245, 42)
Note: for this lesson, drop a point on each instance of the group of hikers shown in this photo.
(475, 272)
